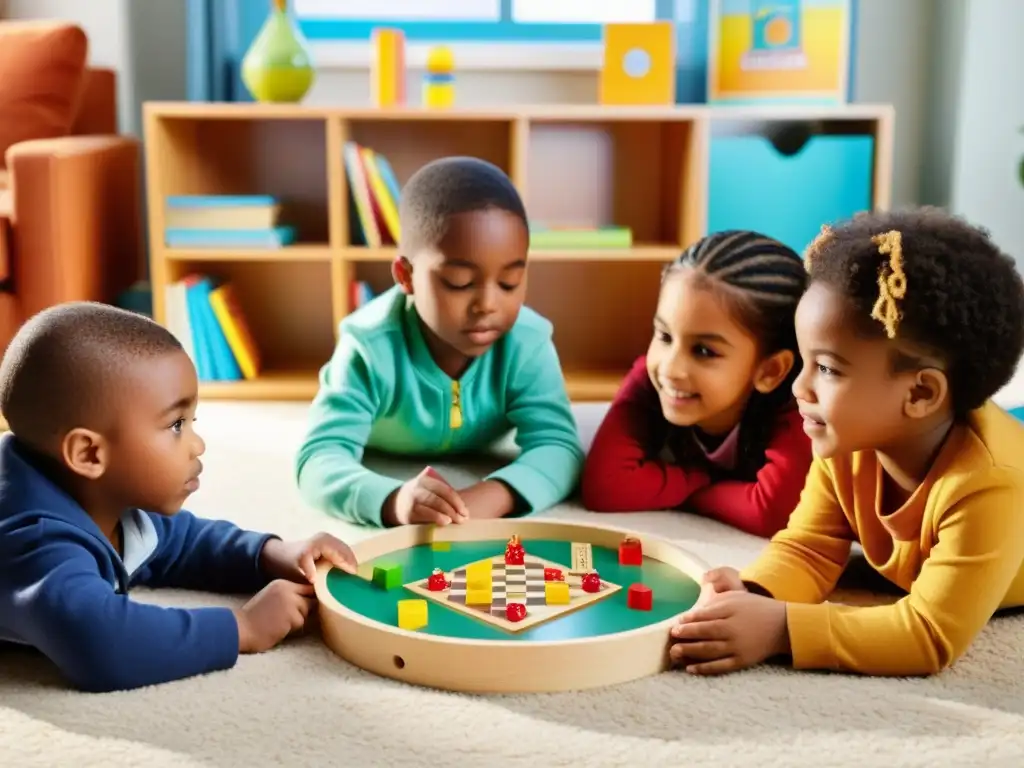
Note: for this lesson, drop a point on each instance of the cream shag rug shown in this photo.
(300, 705)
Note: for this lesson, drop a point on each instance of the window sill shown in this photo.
(476, 57)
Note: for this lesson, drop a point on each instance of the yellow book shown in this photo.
(360, 190)
(229, 314)
(381, 192)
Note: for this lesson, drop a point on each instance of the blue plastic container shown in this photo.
(753, 185)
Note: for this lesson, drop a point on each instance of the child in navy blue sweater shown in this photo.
(100, 458)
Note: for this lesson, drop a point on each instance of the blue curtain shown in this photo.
(219, 34)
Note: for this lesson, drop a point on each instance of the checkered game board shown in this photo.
(515, 580)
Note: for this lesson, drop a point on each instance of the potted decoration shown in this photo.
(278, 66)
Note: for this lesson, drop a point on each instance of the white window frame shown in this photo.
(482, 56)
(406, 10)
(583, 11)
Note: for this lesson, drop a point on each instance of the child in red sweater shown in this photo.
(706, 420)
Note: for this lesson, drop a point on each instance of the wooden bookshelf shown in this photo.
(646, 168)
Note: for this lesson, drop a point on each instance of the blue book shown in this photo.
(388, 175)
(277, 237)
(218, 201)
(211, 344)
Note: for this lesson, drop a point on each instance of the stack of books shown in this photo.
(205, 316)
(225, 221)
(373, 197)
(589, 238)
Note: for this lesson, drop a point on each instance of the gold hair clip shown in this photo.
(819, 242)
(892, 281)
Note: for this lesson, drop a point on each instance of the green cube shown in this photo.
(387, 575)
(441, 546)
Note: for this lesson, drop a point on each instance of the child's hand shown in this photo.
(276, 611)
(719, 580)
(427, 498)
(733, 631)
(296, 560)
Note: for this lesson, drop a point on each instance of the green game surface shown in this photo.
(674, 592)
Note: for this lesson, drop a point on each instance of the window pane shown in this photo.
(401, 10)
(582, 11)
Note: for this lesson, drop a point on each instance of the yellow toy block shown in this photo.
(412, 614)
(481, 596)
(479, 576)
(387, 70)
(556, 593)
(639, 64)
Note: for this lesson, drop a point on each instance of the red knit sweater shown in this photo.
(620, 477)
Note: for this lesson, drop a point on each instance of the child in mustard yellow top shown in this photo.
(911, 322)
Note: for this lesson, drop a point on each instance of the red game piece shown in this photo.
(514, 552)
(436, 581)
(553, 574)
(630, 552)
(592, 582)
(639, 597)
(515, 611)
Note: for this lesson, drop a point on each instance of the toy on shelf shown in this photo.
(439, 79)
(387, 70)
(639, 65)
(278, 66)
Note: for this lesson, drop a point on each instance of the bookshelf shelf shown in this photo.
(652, 169)
(636, 253)
(287, 253)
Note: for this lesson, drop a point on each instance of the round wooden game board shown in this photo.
(503, 663)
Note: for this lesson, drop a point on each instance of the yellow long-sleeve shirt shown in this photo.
(956, 546)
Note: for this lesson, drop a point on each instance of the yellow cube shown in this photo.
(556, 593)
(478, 596)
(412, 614)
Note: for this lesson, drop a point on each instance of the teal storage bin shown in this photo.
(754, 185)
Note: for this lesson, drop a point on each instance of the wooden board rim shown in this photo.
(541, 666)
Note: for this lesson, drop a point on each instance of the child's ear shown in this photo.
(401, 271)
(85, 453)
(927, 394)
(773, 371)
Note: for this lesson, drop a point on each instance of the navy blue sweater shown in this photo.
(64, 588)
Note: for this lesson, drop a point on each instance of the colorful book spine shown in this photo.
(373, 196)
(206, 317)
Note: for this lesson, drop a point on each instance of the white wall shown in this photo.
(988, 142)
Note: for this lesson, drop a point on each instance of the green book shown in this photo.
(600, 237)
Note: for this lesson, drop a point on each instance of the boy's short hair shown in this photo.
(61, 366)
(933, 279)
(448, 187)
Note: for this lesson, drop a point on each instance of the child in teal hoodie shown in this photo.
(445, 362)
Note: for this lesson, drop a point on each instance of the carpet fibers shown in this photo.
(301, 705)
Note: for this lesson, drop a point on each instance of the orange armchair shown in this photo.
(70, 211)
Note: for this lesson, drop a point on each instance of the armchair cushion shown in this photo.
(42, 65)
